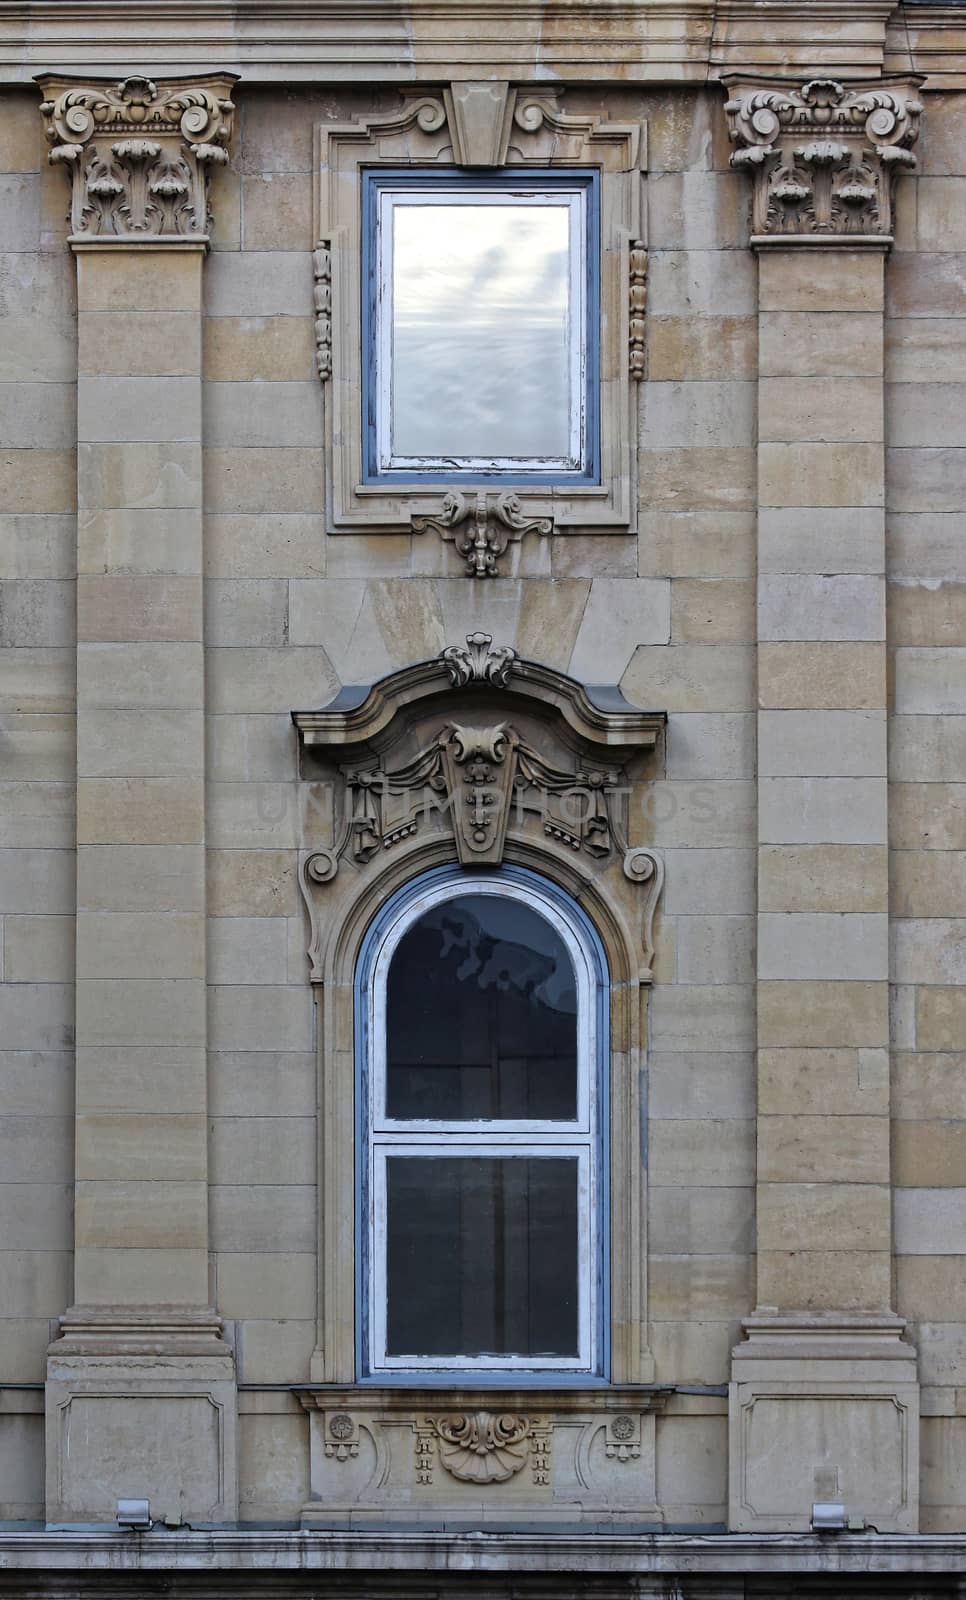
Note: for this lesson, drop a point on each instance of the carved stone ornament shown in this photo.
(638, 309)
(482, 528)
(574, 1454)
(824, 156)
(138, 154)
(482, 1447)
(471, 751)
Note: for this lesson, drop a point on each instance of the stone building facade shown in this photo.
(688, 690)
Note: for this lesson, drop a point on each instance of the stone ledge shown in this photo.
(865, 1554)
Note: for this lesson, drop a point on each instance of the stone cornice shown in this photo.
(929, 39)
(411, 41)
(84, 1555)
(138, 154)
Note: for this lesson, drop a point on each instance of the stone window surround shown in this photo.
(556, 742)
(479, 126)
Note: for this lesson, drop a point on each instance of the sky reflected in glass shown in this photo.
(480, 336)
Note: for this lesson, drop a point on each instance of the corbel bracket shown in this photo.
(482, 528)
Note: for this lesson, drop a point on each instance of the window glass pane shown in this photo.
(481, 331)
(482, 1256)
(481, 1016)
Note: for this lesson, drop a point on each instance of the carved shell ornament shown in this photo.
(479, 1447)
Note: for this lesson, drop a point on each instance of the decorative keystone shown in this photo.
(824, 156)
(138, 154)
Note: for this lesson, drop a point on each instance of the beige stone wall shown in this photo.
(290, 615)
(38, 367)
(926, 556)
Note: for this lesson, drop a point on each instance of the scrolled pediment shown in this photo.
(481, 753)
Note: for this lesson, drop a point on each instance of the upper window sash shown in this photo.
(388, 191)
(582, 1125)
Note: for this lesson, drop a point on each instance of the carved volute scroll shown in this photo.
(138, 154)
(482, 757)
(481, 530)
(823, 156)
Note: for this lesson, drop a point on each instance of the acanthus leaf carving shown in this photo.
(823, 156)
(138, 154)
(481, 528)
(478, 662)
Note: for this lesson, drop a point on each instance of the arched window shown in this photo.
(481, 1157)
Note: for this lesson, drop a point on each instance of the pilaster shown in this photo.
(141, 1353)
(824, 1385)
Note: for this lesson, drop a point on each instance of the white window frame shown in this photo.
(579, 1139)
(514, 192)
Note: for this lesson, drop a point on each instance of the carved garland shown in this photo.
(824, 157)
(638, 308)
(138, 154)
(322, 263)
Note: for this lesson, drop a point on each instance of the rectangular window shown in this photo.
(482, 306)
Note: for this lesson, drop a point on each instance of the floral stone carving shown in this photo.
(823, 156)
(138, 154)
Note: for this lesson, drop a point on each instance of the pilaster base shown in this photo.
(141, 1403)
(823, 1406)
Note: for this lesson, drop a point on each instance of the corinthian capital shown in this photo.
(823, 156)
(138, 154)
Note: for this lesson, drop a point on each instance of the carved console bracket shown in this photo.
(473, 753)
(138, 154)
(824, 156)
(482, 529)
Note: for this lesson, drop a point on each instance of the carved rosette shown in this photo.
(823, 156)
(138, 154)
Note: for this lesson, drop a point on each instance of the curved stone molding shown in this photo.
(467, 749)
(138, 154)
(824, 156)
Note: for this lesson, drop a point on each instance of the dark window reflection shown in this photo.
(482, 1256)
(481, 1016)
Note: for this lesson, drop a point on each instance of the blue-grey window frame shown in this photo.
(545, 178)
(365, 966)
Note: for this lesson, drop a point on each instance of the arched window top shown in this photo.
(481, 1015)
(481, 1162)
